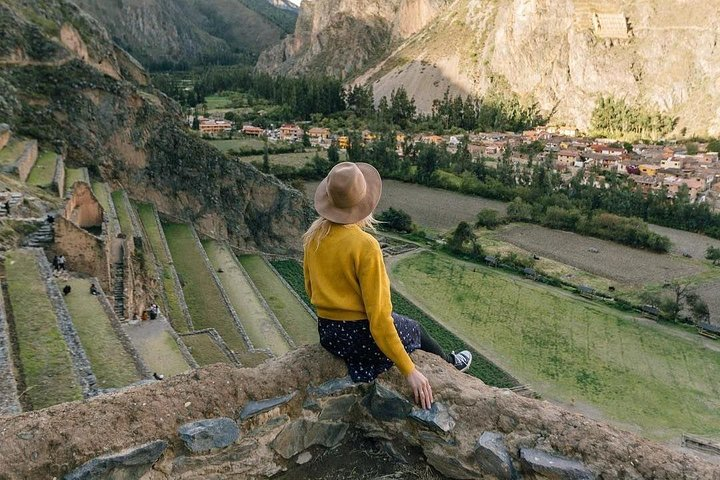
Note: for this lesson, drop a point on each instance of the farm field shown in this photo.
(122, 212)
(157, 347)
(45, 361)
(111, 363)
(146, 212)
(204, 349)
(12, 151)
(256, 320)
(614, 261)
(238, 144)
(570, 350)
(215, 102)
(291, 313)
(288, 159)
(43, 172)
(686, 242)
(203, 298)
(433, 208)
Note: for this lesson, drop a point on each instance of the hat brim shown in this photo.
(361, 210)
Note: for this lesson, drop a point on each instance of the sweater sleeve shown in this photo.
(375, 289)
(306, 274)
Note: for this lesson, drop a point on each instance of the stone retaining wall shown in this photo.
(59, 175)
(142, 369)
(263, 302)
(9, 400)
(473, 431)
(223, 294)
(176, 280)
(4, 135)
(26, 160)
(83, 251)
(80, 362)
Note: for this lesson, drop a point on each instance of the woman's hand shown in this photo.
(421, 388)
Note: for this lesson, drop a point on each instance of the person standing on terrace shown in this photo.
(348, 285)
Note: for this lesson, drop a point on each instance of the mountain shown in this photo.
(164, 34)
(562, 54)
(64, 83)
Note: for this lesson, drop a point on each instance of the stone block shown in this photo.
(254, 408)
(554, 467)
(327, 434)
(303, 433)
(132, 463)
(337, 408)
(386, 404)
(493, 457)
(437, 418)
(331, 387)
(204, 435)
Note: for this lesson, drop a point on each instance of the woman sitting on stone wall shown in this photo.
(346, 281)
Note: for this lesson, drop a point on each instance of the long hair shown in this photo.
(320, 229)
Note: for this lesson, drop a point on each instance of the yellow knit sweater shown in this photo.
(345, 279)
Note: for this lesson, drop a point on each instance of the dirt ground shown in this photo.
(686, 242)
(617, 262)
(361, 458)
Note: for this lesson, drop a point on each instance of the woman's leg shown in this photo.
(428, 344)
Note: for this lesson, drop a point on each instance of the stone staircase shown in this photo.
(14, 199)
(119, 289)
(40, 238)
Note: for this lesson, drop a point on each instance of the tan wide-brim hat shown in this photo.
(349, 193)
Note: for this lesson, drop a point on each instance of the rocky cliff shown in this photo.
(64, 83)
(181, 33)
(222, 422)
(562, 54)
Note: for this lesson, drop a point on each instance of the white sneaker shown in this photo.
(462, 360)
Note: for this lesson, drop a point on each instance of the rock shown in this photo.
(303, 433)
(291, 440)
(386, 404)
(128, 464)
(333, 386)
(493, 457)
(304, 457)
(208, 434)
(327, 434)
(554, 466)
(447, 462)
(254, 408)
(437, 418)
(338, 407)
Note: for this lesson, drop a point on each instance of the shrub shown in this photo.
(488, 218)
(396, 220)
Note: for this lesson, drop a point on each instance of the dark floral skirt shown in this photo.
(352, 341)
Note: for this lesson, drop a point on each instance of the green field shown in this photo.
(43, 172)
(73, 175)
(204, 349)
(12, 151)
(215, 102)
(146, 212)
(287, 159)
(240, 145)
(157, 347)
(256, 320)
(291, 313)
(101, 193)
(111, 363)
(571, 350)
(203, 298)
(122, 212)
(45, 361)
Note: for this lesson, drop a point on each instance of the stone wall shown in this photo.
(83, 251)
(59, 175)
(27, 159)
(9, 400)
(259, 427)
(82, 208)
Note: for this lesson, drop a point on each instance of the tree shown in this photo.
(266, 159)
(460, 236)
(488, 218)
(196, 123)
(698, 308)
(713, 253)
(397, 220)
(519, 211)
(333, 154)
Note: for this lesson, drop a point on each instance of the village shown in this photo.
(652, 167)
